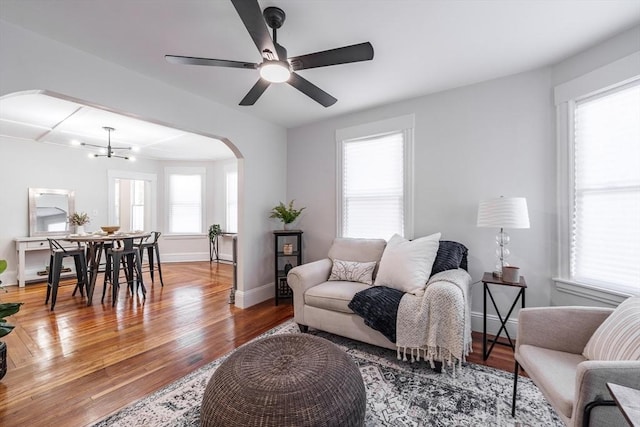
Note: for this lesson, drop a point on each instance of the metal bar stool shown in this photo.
(123, 252)
(151, 245)
(58, 253)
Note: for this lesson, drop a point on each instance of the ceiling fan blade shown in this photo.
(251, 15)
(311, 90)
(341, 55)
(256, 91)
(190, 60)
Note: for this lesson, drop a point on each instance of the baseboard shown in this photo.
(493, 324)
(254, 296)
(184, 257)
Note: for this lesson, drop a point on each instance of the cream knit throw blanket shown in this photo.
(437, 325)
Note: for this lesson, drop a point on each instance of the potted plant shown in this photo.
(79, 219)
(214, 230)
(286, 213)
(6, 309)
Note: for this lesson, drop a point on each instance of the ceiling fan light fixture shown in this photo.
(275, 71)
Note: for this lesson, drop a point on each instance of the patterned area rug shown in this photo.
(399, 394)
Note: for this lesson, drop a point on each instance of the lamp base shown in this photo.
(497, 274)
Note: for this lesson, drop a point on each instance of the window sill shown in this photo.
(595, 293)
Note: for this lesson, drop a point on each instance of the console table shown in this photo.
(27, 246)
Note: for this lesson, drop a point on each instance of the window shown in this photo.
(605, 231)
(132, 200)
(231, 196)
(137, 205)
(185, 190)
(374, 182)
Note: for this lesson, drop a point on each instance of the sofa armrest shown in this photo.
(565, 329)
(303, 277)
(592, 377)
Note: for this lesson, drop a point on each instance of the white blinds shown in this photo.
(373, 186)
(605, 244)
(185, 203)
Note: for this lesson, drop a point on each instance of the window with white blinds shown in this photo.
(605, 240)
(185, 201)
(373, 191)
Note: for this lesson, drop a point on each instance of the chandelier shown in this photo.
(109, 151)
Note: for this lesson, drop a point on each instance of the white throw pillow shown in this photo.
(618, 337)
(353, 271)
(406, 265)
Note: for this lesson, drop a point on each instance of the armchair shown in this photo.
(550, 346)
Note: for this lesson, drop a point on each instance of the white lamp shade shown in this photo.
(503, 212)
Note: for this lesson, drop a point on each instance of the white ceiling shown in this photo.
(52, 120)
(420, 47)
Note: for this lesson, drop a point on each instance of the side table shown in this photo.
(489, 279)
(628, 400)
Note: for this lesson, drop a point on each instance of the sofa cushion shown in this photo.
(618, 337)
(334, 296)
(554, 372)
(406, 264)
(360, 250)
(353, 271)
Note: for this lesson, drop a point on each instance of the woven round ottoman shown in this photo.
(285, 380)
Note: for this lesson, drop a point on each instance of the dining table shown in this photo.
(95, 243)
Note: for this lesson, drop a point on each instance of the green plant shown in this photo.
(286, 214)
(79, 218)
(214, 230)
(7, 308)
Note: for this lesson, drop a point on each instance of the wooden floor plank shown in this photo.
(77, 364)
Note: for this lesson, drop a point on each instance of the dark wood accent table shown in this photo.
(628, 400)
(490, 279)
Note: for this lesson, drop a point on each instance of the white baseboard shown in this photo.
(254, 296)
(185, 257)
(493, 324)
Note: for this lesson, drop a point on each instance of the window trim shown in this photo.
(168, 171)
(615, 75)
(228, 170)
(404, 124)
(151, 178)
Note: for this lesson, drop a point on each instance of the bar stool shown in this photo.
(151, 245)
(58, 253)
(125, 253)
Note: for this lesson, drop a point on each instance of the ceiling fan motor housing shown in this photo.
(274, 16)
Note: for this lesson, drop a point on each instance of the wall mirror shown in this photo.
(49, 210)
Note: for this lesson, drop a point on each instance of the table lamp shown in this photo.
(503, 212)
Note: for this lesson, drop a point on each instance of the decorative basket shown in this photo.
(284, 291)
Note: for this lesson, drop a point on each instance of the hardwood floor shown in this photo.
(78, 364)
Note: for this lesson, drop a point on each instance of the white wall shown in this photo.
(481, 141)
(32, 62)
(485, 140)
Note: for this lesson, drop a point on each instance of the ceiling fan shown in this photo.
(275, 66)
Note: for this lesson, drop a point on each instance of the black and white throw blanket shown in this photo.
(435, 326)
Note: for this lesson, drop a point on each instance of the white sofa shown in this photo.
(323, 304)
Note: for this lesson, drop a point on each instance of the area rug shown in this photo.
(399, 394)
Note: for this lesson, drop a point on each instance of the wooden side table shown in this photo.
(489, 279)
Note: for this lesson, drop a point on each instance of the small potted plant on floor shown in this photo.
(286, 213)
(6, 309)
(79, 219)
